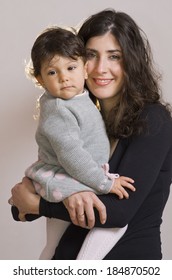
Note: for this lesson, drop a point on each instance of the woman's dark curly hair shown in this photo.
(141, 82)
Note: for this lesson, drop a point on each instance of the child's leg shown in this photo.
(99, 241)
(55, 229)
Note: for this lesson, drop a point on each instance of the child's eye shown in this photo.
(70, 68)
(52, 72)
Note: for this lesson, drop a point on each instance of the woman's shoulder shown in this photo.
(157, 110)
(157, 117)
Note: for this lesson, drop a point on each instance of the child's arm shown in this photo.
(79, 171)
(64, 137)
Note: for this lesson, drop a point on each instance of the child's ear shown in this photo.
(40, 81)
(85, 67)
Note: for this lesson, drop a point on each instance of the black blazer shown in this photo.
(148, 160)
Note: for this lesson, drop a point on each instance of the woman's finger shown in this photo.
(25, 198)
(81, 209)
(98, 204)
(81, 218)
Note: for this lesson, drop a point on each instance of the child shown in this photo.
(73, 145)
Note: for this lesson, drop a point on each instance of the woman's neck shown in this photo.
(106, 106)
(113, 145)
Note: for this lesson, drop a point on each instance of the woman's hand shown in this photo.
(25, 198)
(80, 207)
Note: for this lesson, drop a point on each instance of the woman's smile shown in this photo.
(102, 82)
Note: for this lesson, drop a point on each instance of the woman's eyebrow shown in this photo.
(113, 51)
(89, 49)
(108, 51)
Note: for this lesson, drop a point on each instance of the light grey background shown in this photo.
(20, 22)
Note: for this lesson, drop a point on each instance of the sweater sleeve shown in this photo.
(64, 137)
(144, 158)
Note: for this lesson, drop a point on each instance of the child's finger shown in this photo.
(130, 180)
(119, 193)
(128, 185)
(124, 193)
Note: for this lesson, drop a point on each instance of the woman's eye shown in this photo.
(115, 57)
(90, 55)
(52, 72)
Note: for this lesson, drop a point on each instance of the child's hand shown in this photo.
(119, 184)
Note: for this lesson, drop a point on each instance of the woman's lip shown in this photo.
(102, 82)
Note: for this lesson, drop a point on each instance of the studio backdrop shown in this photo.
(20, 23)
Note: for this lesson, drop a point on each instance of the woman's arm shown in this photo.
(142, 159)
(27, 201)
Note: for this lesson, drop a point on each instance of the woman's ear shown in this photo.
(40, 81)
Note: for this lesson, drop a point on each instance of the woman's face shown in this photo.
(105, 67)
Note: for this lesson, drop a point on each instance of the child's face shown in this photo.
(63, 77)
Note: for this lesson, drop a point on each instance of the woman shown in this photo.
(122, 79)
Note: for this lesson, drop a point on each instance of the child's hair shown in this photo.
(54, 41)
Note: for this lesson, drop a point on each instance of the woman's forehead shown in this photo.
(106, 41)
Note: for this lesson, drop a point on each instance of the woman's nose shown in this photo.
(101, 66)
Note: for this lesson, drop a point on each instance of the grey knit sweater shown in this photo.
(73, 146)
